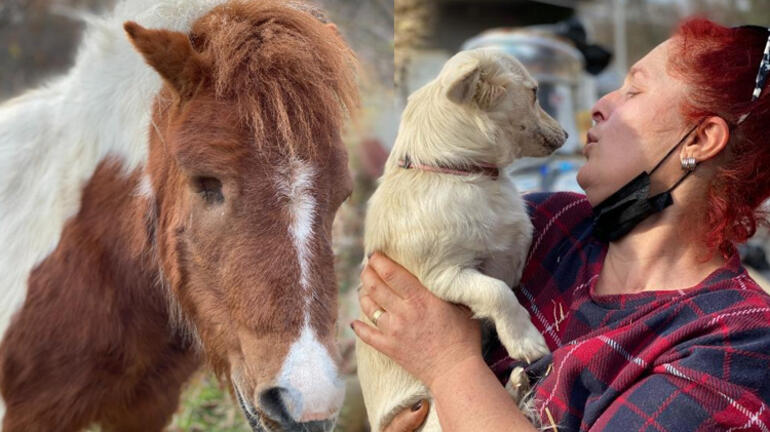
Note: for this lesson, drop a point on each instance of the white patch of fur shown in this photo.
(296, 183)
(144, 188)
(464, 237)
(310, 376)
(52, 138)
(314, 390)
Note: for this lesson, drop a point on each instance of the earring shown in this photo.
(689, 163)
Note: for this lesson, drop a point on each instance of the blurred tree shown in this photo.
(37, 41)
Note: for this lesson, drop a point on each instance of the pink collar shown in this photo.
(487, 169)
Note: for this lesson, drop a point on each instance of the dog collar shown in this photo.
(486, 169)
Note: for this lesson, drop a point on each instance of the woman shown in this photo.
(651, 320)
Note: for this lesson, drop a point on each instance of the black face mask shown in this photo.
(623, 210)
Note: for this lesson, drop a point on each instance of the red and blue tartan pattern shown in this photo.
(672, 360)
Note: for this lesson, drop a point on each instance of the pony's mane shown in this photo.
(288, 73)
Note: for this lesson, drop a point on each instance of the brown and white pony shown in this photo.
(149, 225)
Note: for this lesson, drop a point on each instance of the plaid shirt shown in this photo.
(679, 360)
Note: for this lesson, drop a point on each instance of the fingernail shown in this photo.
(417, 406)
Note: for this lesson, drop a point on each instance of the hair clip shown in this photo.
(764, 69)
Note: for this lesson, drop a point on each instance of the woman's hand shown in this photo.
(427, 336)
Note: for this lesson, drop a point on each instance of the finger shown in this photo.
(370, 336)
(410, 419)
(375, 288)
(398, 278)
(369, 307)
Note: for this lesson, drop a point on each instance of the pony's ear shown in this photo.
(171, 54)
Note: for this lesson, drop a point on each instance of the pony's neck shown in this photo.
(115, 214)
(100, 287)
(54, 138)
(113, 237)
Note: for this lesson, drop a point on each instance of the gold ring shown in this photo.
(376, 315)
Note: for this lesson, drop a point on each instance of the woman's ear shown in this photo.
(712, 136)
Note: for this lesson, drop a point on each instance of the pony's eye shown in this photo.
(209, 188)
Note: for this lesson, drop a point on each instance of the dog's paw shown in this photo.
(524, 343)
(518, 384)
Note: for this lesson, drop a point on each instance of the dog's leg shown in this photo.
(492, 299)
(508, 265)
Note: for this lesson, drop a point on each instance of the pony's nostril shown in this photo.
(277, 405)
(273, 401)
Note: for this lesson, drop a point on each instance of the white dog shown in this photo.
(447, 214)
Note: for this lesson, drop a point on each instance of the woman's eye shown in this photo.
(209, 188)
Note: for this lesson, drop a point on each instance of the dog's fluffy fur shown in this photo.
(465, 237)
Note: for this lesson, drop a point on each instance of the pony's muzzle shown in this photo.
(278, 404)
(271, 415)
(306, 393)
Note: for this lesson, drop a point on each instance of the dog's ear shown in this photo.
(460, 83)
(470, 82)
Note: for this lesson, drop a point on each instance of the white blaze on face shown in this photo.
(302, 209)
(314, 390)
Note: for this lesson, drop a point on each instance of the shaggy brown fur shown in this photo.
(247, 50)
(256, 87)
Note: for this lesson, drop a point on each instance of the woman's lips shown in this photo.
(590, 140)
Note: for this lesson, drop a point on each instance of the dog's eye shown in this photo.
(534, 93)
(209, 188)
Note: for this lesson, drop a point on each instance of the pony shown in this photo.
(168, 203)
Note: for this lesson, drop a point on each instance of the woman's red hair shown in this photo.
(719, 65)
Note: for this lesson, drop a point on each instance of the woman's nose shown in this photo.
(596, 116)
(600, 110)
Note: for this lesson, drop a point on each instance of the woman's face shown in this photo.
(635, 126)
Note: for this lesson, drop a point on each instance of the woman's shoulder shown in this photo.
(736, 301)
(729, 341)
(730, 314)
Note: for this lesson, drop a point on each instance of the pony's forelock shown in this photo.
(290, 75)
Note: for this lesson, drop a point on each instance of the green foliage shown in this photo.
(206, 407)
